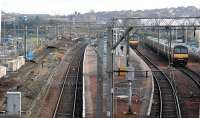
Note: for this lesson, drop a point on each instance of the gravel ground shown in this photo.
(32, 79)
(48, 102)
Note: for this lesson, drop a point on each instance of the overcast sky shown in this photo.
(62, 7)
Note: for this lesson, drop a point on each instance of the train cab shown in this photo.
(180, 55)
(134, 43)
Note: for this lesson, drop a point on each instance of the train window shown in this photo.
(184, 50)
(177, 50)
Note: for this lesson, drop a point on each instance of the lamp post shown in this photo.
(25, 20)
(37, 36)
(99, 99)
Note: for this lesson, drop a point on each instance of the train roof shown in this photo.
(165, 42)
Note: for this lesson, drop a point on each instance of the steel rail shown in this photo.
(76, 89)
(195, 77)
(152, 65)
(74, 58)
(63, 86)
(160, 96)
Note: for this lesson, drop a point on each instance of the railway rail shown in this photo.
(166, 103)
(189, 93)
(186, 81)
(195, 77)
(70, 100)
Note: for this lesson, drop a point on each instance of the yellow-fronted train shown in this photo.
(178, 54)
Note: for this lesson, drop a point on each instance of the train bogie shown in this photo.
(179, 62)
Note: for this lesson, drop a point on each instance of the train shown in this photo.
(134, 42)
(178, 54)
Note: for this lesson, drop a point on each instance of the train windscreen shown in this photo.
(181, 50)
(184, 50)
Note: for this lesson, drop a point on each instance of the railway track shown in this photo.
(157, 97)
(195, 77)
(69, 104)
(189, 93)
(166, 103)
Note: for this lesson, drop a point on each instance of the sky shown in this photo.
(65, 7)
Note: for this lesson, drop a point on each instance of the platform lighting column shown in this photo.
(70, 28)
(61, 29)
(110, 52)
(25, 41)
(183, 33)
(186, 35)
(58, 30)
(4, 32)
(127, 50)
(25, 38)
(88, 29)
(4, 36)
(176, 33)
(143, 39)
(129, 81)
(64, 29)
(55, 30)
(158, 40)
(14, 27)
(37, 35)
(169, 45)
(130, 97)
(171, 68)
(99, 102)
(170, 60)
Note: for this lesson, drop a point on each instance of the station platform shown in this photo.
(142, 87)
(89, 82)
